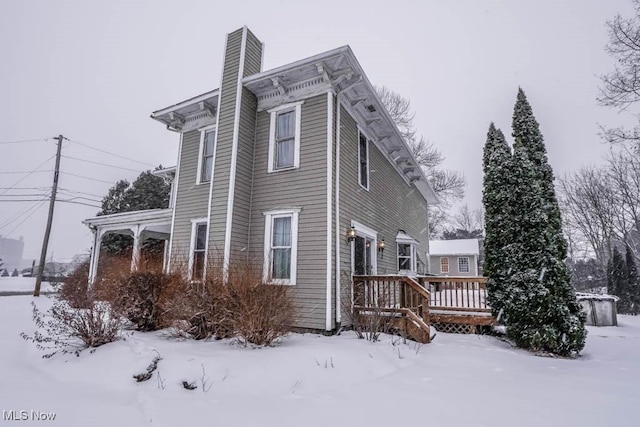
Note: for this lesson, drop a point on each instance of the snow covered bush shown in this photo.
(70, 330)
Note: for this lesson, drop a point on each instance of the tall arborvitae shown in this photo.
(527, 130)
(633, 287)
(542, 312)
(495, 198)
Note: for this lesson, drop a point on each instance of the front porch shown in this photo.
(451, 304)
(140, 225)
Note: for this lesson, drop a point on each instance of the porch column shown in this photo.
(95, 255)
(135, 253)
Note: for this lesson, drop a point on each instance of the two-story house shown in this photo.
(300, 167)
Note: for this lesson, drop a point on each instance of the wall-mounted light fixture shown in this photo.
(381, 247)
(351, 234)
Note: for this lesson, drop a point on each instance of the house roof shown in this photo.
(336, 70)
(454, 247)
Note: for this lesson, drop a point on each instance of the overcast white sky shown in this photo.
(94, 71)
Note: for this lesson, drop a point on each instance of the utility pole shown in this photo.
(47, 232)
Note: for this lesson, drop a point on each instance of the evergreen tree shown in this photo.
(541, 309)
(148, 191)
(619, 275)
(611, 286)
(15, 273)
(495, 199)
(633, 290)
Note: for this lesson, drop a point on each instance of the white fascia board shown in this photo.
(130, 217)
(311, 60)
(185, 103)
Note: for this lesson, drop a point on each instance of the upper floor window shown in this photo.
(284, 137)
(205, 164)
(463, 264)
(363, 160)
(280, 247)
(444, 265)
(198, 249)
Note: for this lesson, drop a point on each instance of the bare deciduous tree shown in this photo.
(621, 87)
(448, 184)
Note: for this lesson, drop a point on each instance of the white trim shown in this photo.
(176, 182)
(338, 229)
(329, 200)
(297, 106)
(468, 264)
(368, 140)
(186, 103)
(234, 154)
(364, 231)
(268, 226)
(203, 132)
(192, 244)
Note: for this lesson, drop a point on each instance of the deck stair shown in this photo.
(412, 305)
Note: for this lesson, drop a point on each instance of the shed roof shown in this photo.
(454, 247)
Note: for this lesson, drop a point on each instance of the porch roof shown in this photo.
(153, 220)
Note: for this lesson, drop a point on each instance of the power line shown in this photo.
(78, 203)
(81, 192)
(28, 175)
(23, 200)
(102, 164)
(21, 172)
(86, 177)
(112, 154)
(27, 217)
(23, 141)
(73, 197)
(18, 215)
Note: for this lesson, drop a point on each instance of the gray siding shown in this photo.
(304, 188)
(389, 205)
(191, 198)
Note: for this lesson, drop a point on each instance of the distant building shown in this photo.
(11, 252)
(454, 257)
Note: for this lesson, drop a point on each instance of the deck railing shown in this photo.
(456, 293)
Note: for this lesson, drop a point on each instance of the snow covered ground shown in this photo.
(312, 380)
(25, 285)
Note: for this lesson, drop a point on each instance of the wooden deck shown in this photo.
(452, 304)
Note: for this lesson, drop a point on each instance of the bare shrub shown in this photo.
(74, 288)
(234, 302)
(70, 330)
(367, 315)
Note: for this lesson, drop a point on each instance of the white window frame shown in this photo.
(413, 259)
(366, 233)
(269, 217)
(203, 131)
(368, 143)
(448, 266)
(192, 245)
(294, 106)
(460, 258)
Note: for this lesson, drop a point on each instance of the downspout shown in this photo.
(330, 103)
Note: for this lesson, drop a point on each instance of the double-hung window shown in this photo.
(463, 264)
(284, 137)
(363, 160)
(444, 264)
(198, 249)
(280, 248)
(207, 143)
(406, 257)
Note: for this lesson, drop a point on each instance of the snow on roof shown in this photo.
(454, 247)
